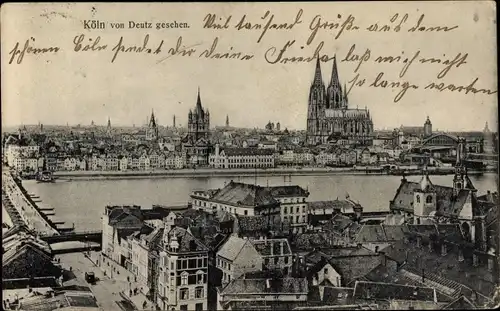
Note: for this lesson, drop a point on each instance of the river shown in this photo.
(82, 201)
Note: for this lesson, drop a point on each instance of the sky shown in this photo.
(78, 87)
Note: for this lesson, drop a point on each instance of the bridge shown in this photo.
(83, 236)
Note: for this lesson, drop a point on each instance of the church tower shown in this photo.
(198, 121)
(227, 121)
(152, 130)
(108, 129)
(335, 97)
(424, 200)
(316, 106)
(427, 128)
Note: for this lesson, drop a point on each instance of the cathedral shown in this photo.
(196, 143)
(329, 118)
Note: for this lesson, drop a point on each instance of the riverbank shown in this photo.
(205, 172)
(26, 207)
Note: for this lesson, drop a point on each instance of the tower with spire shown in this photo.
(328, 114)
(427, 128)
(152, 130)
(198, 121)
(227, 120)
(316, 106)
(174, 125)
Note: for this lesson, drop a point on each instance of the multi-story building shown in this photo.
(241, 158)
(183, 271)
(118, 222)
(293, 205)
(243, 199)
(276, 255)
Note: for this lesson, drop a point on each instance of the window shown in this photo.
(276, 260)
(298, 209)
(184, 278)
(296, 219)
(199, 277)
(198, 292)
(200, 263)
(429, 199)
(229, 278)
(326, 271)
(246, 212)
(184, 294)
(285, 210)
(198, 307)
(266, 261)
(286, 260)
(229, 266)
(172, 265)
(418, 199)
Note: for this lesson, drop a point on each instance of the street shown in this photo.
(106, 289)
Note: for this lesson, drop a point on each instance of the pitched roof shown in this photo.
(245, 195)
(232, 247)
(374, 290)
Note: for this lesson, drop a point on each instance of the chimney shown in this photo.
(475, 260)
(443, 250)
(460, 255)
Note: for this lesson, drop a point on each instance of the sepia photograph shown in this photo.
(250, 156)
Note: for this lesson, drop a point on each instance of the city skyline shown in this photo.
(79, 87)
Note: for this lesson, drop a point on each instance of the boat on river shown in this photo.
(45, 176)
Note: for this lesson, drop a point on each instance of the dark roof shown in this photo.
(337, 295)
(352, 268)
(187, 242)
(251, 225)
(245, 194)
(288, 191)
(373, 290)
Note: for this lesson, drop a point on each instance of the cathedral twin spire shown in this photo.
(335, 97)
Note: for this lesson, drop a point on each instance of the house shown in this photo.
(294, 206)
(236, 257)
(183, 271)
(257, 291)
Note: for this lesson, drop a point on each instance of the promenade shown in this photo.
(27, 211)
